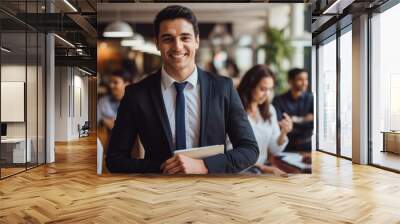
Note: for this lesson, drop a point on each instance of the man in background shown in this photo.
(107, 106)
(298, 104)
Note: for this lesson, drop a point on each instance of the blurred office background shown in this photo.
(233, 38)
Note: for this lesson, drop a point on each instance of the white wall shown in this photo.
(13, 73)
(61, 103)
(33, 127)
(80, 100)
(71, 94)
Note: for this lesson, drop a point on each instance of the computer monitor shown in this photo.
(3, 129)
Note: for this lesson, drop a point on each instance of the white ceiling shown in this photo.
(210, 12)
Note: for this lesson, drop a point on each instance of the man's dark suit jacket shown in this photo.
(142, 112)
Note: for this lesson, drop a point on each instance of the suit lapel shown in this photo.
(205, 97)
(156, 95)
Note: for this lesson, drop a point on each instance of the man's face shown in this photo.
(177, 43)
(117, 86)
(300, 82)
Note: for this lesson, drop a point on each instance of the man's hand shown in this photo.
(286, 124)
(309, 117)
(184, 164)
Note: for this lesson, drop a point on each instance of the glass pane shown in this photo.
(13, 84)
(22, 79)
(385, 86)
(327, 97)
(346, 94)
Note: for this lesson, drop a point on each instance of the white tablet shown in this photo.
(201, 152)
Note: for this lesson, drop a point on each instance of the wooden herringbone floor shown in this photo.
(69, 191)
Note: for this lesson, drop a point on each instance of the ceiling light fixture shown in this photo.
(5, 50)
(84, 71)
(70, 5)
(149, 48)
(135, 41)
(118, 29)
(337, 7)
(64, 40)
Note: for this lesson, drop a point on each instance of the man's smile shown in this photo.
(178, 55)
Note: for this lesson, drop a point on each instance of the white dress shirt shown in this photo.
(267, 134)
(192, 106)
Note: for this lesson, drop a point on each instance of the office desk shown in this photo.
(391, 141)
(13, 150)
(292, 166)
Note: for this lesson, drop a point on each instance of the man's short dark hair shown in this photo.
(123, 74)
(175, 12)
(294, 72)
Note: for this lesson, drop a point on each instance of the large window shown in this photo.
(346, 94)
(327, 97)
(385, 88)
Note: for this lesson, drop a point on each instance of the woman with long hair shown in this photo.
(256, 90)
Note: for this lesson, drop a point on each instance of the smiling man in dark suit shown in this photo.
(179, 107)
